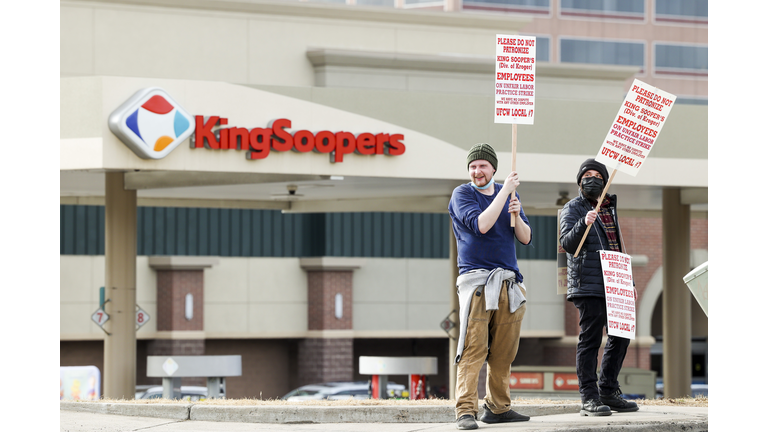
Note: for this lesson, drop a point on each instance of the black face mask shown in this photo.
(592, 187)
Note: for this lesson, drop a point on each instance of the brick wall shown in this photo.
(161, 347)
(325, 360)
(269, 366)
(322, 287)
(172, 288)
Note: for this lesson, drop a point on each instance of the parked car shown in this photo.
(340, 390)
(189, 393)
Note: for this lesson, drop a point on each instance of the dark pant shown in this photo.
(592, 319)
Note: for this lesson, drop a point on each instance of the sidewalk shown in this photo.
(92, 417)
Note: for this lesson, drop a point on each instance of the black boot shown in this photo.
(618, 403)
(594, 407)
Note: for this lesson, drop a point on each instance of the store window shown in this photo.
(682, 11)
(602, 52)
(680, 59)
(631, 9)
(542, 48)
(530, 6)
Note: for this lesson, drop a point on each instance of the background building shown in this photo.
(258, 260)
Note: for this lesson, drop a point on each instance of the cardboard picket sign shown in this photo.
(515, 84)
(635, 128)
(633, 133)
(619, 293)
(515, 79)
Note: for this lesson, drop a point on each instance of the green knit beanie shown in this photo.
(482, 151)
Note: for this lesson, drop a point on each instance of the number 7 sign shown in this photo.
(100, 317)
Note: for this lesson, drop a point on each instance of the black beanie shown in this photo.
(591, 164)
(482, 151)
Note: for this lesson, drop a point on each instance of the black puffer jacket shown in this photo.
(585, 278)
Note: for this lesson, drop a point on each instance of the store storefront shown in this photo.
(264, 196)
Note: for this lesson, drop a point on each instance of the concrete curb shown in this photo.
(299, 413)
(318, 414)
(169, 411)
(676, 426)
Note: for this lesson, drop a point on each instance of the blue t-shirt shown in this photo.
(495, 248)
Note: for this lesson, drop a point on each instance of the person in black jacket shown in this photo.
(587, 292)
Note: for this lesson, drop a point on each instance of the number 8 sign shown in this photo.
(141, 317)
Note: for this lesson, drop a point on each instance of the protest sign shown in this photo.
(633, 133)
(635, 128)
(515, 86)
(515, 79)
(619, 293)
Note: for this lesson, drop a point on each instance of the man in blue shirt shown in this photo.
(490, 286)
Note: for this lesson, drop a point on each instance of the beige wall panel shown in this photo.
(227, 281)
(380, 281)
(379, 316)
(76, 41)
(427, 316)
(540, 277)
(132, 42)
(277, 317)
(278, 45)
(76, 279)
(544, 306)
(225, 318)
(364, 78)
(438, 40)
(429, 281)
(579, 89)
(544, 319)
(75, 318)
(146, 282)
(451, 83)
(277, 280)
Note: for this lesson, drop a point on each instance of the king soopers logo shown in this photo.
(151, 123)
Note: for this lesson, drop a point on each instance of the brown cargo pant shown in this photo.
(495, 334)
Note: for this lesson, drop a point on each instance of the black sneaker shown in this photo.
(466, 422)
(594, 407)
(510, 416)
(618, 403)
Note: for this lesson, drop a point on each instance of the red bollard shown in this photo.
(417, 385)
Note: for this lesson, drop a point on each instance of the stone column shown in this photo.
(180, 330)
(676, 253)
(327, 354)
(120, 268)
